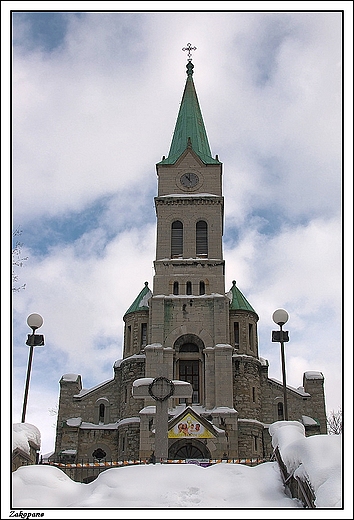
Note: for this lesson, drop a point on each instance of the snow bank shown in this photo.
(23, 434)
(316, 458)
(159, 486)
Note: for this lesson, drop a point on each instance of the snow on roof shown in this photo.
(186, 296)
(129, 420)
(85, 391)
(74, 421)
(145, 299)
(263, 361)
(189, 195)
(25, 435)
(308, 421)
(70, 377)
(110, 426)
(91, 426)
(251, 421)
(148, 410)
(316, 458)
(118, 363)
(143, 381)
(313, 375)
(299, 390)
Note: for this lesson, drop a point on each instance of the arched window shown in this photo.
(143, 335)
(176, 239)
(201, 287)
(189, 288)
(280, 412)
(250, 336)
(175, 288)
(236, 334)
(202, 238)
(101, 413)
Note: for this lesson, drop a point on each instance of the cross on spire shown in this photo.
(189, 48)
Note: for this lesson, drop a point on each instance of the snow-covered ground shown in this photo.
(188, 486)
(155, 486)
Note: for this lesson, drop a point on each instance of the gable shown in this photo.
(190, 425)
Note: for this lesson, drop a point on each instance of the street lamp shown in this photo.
(280, 316)
(34, 321)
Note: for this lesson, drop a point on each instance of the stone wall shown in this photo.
(247, 386)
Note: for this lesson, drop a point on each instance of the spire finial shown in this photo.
(189, 48)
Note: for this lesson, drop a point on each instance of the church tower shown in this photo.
(194, 328)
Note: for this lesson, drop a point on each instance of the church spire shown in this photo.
(190, 130)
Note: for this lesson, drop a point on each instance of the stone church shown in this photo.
(189, 328)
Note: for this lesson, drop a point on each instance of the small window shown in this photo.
(176, 239)
(129, 337)
(143, 334)
(189, 288)
(236, 334)
(253, 394)
(99, 454)
(201, 287)
(101, 413)
(175, 288)
(280, 412)
(202, 238)
(250, 335)
(255, 443)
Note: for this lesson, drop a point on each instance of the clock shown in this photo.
(189, 180)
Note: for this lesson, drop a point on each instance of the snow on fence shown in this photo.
(310, 466)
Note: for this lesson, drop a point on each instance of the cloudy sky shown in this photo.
(95, 100)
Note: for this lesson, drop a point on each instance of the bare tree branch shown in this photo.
(17, 260)
(334, 422)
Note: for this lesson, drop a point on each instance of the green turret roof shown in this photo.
(140, 302)
(190, 130)
(238, 301)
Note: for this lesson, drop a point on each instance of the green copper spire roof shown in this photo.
(141, 301)
(238, 301)
(190, 130)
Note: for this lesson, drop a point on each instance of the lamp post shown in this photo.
(34, 321)
(280, 316)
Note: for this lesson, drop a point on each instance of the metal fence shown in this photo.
(298, 488)
(88, 471)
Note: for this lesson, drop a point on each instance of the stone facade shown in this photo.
(187, 328)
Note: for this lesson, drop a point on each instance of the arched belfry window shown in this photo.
(202, 238)
(175, 288)
(102, 413)
(189, 288)
(176, 239)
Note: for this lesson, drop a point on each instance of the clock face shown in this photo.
(189, 180)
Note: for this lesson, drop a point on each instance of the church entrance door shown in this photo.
(188, 449)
